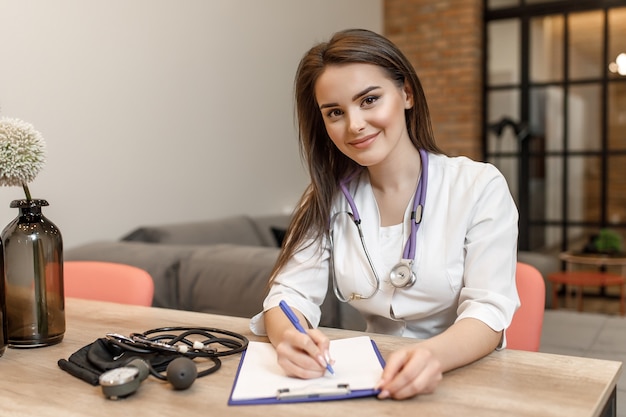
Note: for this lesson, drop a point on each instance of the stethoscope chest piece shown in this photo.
(402, 274)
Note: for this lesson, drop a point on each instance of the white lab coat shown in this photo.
(465, 257)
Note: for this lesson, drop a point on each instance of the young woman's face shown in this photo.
(363, 111)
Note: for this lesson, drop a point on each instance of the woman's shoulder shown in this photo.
(460, 164)
(461, 171)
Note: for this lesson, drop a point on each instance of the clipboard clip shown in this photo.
(313, 392)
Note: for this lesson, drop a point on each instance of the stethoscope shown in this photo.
(179, 341)
(401, 275)
(177, 347)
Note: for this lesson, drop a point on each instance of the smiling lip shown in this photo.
(363, 142)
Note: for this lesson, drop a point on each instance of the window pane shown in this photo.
(617, 116)
(585, 45)
(554, 188)
(584, 117)
(502, 105)
(540, 1)
(536, 238)
(584, 187)
(616, 210)
(537, 195)
(546, 116)
(499, 4)
(503, 52)
(546, 48)
(617, 42)
(552, 237)
(509, 167)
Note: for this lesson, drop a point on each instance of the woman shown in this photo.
(438, 254)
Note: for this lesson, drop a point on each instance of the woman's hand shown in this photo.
(410, 371)
(303, 355)
(419, 368)
(300, 355)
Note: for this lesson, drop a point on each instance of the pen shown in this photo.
(296, 323)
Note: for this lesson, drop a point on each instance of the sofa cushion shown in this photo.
(271, 229)
(237, 230)
(162, 262)
(226, 279)
(233, 280)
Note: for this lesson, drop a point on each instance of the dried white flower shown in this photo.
(22, 152)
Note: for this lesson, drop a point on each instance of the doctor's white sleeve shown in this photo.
(302, 283)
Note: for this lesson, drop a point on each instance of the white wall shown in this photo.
(161, 111)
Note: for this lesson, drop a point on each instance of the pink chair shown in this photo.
(524, 333)
(106, 281)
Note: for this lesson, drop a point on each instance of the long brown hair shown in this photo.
(325, 163)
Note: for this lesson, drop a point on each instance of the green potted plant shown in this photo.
(606, 242)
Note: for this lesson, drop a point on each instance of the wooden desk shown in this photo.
(511, 383)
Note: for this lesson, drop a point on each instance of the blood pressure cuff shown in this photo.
(90, 361)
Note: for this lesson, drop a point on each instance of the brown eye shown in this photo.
(334, 113)
(369, 100)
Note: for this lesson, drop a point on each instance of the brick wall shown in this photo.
(443, 40)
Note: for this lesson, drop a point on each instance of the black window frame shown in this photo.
(525, 12)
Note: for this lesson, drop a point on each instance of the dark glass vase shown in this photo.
(33, 267)
(3, 306)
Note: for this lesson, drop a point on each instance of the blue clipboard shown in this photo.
(286, 395)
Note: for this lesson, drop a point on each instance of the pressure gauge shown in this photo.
(120, 382)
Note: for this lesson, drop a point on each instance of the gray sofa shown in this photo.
(220, 266)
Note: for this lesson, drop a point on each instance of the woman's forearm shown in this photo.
(276, 323)
(464, 342)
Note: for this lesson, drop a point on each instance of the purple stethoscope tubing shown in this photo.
(418, 206)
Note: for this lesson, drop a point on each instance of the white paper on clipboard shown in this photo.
(357, 365)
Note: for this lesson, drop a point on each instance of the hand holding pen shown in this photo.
(296, 323)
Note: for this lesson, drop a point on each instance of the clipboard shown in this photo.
(260, 380)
